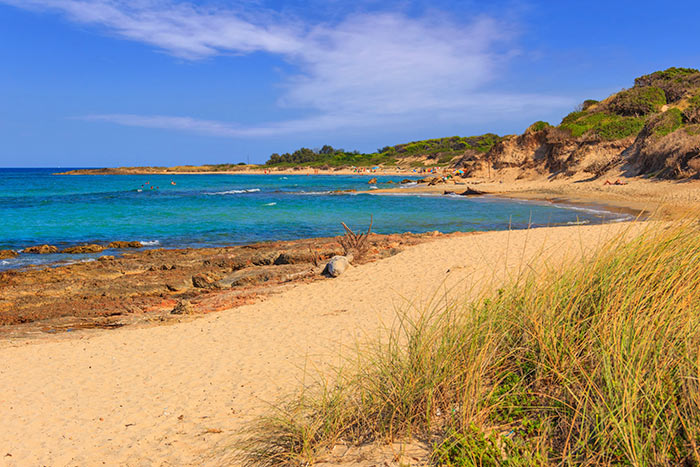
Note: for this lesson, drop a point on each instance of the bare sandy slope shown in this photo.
(160, 395)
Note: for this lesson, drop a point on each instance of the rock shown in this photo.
(83, 249)
(105, 258)
(405, 181)
(178, 286)
(205, 281)
(372, 181)
(264, 259)
(472, 192)
(183, 307)
(4, 254)
(41, 249)
(390, 182)
(122, 245)
(435, 181)
(337, 265)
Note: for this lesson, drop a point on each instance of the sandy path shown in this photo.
(147, 396)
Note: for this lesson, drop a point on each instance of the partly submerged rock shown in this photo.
(93, 248)
(372, 181)
(406, 180)
(122, 245)
(4, 254)
(472, 192)
(337, 265)
(41, 249)
(183, 307)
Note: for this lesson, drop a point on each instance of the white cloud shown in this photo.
(367, 69)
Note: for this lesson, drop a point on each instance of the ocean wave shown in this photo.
(270, 204)
(233, 192)
(4, 262)
(150, 242)
(310, 192)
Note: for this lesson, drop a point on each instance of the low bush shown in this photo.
(602, 125)
(638, 101)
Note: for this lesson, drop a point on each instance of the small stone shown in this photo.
(183, 307)
(337, 265)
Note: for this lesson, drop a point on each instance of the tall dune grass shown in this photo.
(597, 363)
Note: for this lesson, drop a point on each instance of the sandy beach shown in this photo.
(178, 394)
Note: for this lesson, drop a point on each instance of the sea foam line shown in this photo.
(233, 192)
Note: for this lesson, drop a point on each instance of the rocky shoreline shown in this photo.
(160, 285)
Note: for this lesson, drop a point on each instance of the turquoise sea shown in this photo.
(38, 207)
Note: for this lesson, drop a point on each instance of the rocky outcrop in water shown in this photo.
(5, 254)
(83, 249)
(41, 249)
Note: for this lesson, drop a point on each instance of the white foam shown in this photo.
(270, 204)
(150, 242)
(4, 263)
(234, 192)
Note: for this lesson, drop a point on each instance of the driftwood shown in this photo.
(355, 243)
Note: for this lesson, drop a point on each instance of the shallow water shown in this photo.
(38, 207)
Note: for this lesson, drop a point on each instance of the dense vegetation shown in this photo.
(437, 151)
(594, 364)
(328, 156)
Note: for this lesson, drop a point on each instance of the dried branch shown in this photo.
(355, 244)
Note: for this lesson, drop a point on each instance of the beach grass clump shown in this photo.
(596, 363)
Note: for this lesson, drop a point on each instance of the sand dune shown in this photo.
(176, 394)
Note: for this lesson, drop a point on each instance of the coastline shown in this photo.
(117, 395)
(637, 195)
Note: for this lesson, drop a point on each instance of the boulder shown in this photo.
(405, 181)
(41, 249)
(122, 245)
(83, 249)
(183, 307)
(372, 181)
(435, 181)
(390, 182)
(336, 266)
(4, 254)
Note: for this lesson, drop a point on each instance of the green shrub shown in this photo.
(602, 125)
(539, 126)
(588, 103)
(675, 82)
(692, 113)
(667, 122)
(638, 101)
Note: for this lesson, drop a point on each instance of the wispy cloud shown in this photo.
(362, 70)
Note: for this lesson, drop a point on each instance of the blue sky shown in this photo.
(165, 82)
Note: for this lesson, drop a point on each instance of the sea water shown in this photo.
(172, 211)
